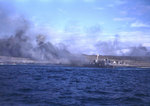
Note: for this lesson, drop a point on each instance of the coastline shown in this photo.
(137, 62)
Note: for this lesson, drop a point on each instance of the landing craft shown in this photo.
(107, 62)
(100, 63)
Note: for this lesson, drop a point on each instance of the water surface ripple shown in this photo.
(32, 85)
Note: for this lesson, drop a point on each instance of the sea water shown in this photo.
(37, 85)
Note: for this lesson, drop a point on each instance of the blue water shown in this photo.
(35, 85)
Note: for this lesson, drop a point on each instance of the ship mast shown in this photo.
(97, 57)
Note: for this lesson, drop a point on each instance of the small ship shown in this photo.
(106, 63)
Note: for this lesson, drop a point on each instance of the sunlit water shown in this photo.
(56, 85)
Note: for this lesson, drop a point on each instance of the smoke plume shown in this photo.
(118, 48)
(17, 40)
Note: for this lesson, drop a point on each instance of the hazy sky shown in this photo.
(82, 23)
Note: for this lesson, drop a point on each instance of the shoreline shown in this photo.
(66, 65)
(114, 62)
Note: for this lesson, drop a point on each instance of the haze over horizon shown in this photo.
(107, 27)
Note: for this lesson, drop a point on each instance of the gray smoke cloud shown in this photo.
(118, 48)
(17, 40)
(139, 51)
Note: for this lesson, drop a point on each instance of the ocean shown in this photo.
(43, 85)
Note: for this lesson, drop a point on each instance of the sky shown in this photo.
(82, 24)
